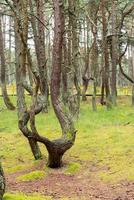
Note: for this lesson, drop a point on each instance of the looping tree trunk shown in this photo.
(56, 148)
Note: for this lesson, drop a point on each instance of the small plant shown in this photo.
(31, 176)
(73, 168)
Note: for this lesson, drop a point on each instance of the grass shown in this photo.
(73, 168)
(34, 175)
(21, 196)
(105, 140)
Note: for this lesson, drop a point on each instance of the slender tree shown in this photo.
(105, 54)
(7, 101)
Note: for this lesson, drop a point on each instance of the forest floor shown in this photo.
(99, 166)
(58, 185)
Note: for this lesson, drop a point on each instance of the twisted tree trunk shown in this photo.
(56, 148)
(21, 53)
(39, 40)
(59, 146)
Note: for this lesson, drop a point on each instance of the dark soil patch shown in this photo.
(57, 184)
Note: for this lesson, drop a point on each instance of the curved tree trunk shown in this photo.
(59, 146)
(39, 40)
(21, 53)
(56, 148)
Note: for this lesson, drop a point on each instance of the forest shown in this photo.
(66, 100)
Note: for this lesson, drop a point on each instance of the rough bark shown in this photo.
(61, 145)
(73, 17)
(2, 183)
(56, 148)
(39, 40)
(85, 76)
(133, 75)
(105, 54)
(94, 51)
(114, 53)
(21, 31)
(7, 101)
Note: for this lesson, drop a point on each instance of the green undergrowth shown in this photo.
(34, 175)
(21, 196)
(73, 168)
(105, 141)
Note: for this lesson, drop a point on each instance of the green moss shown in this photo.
(73, 168)
(104, 140)
(21, 196)
(15, 168)
(31, 176)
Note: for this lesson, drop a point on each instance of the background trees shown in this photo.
(56, 47)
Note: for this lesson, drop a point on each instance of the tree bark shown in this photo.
(73, 7)
(7, 101)
(39, 40)
(60, 146)
(85, 77)
(2, 183)
(21, 54)
(114, 53)
(105, 54)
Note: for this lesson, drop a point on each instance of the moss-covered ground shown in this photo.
(105, 143)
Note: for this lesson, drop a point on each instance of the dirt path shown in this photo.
(57, 184)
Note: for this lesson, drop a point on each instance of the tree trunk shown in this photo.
(94, 96)
(94, 7)
(20, 54)
(105, 54)
(114, 53)
(2, 183)
(133, 95)
(59, 146)
(35, 148)
(7, 101)
(86, 75)
(39, 40)
(85, 86)
(133, 75)
(73, 7)
(54, 160)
